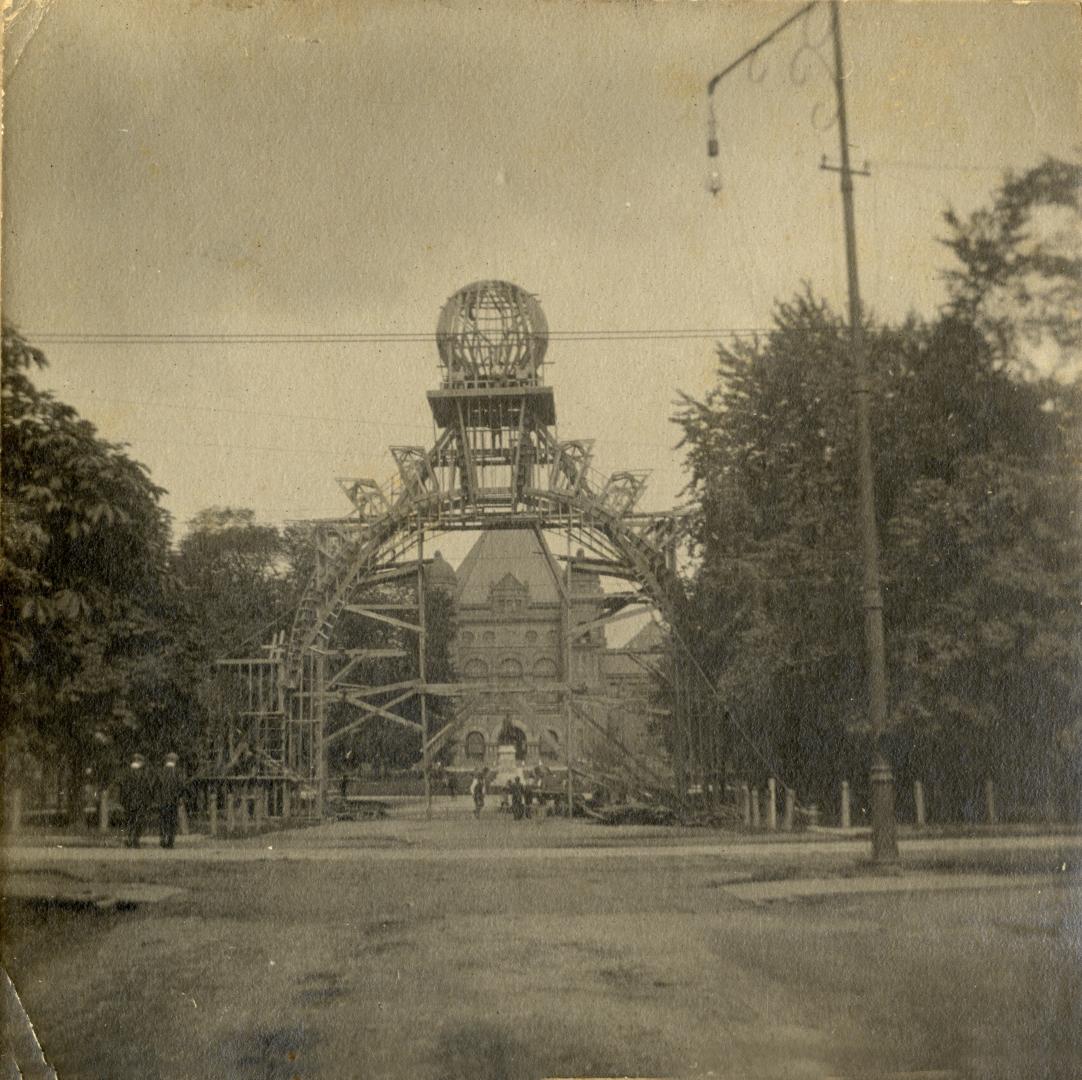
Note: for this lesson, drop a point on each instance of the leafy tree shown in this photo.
(1020, 273)
(237, 578)
(83, 575)
(975, 497)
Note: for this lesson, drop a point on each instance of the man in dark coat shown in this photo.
(170, 790)
(137, 798)
(518, 799)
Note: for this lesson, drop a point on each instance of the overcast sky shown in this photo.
(303, 168)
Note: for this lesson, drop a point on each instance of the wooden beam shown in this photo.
(625, 612)
(375, 710)
(454, 689)
(363, 654)
(359, 690)
(370, 613)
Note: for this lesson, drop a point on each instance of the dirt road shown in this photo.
(324, 957)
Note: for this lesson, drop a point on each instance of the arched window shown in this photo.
(475, 669)
(550, 745)
(466, 637)
(475, 746)
(488, 637)
(531, 637)
(510, 668)
(545, 668)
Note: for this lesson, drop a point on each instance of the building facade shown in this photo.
(509, 643)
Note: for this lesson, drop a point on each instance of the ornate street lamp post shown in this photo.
(884, 836)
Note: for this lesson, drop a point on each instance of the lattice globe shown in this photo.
(491, 333)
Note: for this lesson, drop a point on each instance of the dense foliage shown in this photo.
(977, 494)
(85, 590)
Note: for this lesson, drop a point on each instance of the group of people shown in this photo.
(142, 792)
(521, 796)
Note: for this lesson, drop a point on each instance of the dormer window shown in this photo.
(508, 595)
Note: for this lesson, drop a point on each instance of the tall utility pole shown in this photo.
(884, 835)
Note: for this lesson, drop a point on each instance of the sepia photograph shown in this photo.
(541, 539)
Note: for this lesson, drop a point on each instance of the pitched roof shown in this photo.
(499, 552)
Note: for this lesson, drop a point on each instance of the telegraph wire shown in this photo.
(370, 338)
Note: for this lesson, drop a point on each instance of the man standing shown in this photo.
(170, 789)
(518, 799)
(477, 790)
(136, 795)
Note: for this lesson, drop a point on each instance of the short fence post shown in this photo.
(103, 810)
(918, 802)
(990, 800)
(212, 809)
(845, 820)
(790, 810)
(755, 808)
(772, 804)
(182, 818)
(13, 817)
(745, 804)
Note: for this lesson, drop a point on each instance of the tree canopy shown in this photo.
(84, 578)
(977, 493)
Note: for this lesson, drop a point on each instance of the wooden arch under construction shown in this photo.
(496, 464)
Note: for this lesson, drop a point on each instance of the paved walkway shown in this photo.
(338, 843)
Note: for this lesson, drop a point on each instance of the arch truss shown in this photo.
(496, 463)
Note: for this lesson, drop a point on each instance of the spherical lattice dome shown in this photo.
(491, 333)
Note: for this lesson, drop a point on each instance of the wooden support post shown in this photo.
(319, 749)
(567, 676)
(918, 802)
(183, 826)
(772, 804)
(103, 810)
(990, 801)
(790, 810)
(212, 809)
(755, 808)
(843, 817)
(426, 750)
(745, 805)
(285, 799)
(230, 811)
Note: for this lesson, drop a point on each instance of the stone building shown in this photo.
(509, 634)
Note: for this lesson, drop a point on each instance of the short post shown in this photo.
(259, 806)
(918, 802)
(844, 817)
(885, 839)
(772, 804)
(790, 810)
(230, 812)
(103, 810)
(14, 817)
(755, 808)
(745, 805)
(212, 809)
(990, 800)
(285, 800)
(182, 818)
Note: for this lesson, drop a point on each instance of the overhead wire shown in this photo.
(367, 337)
